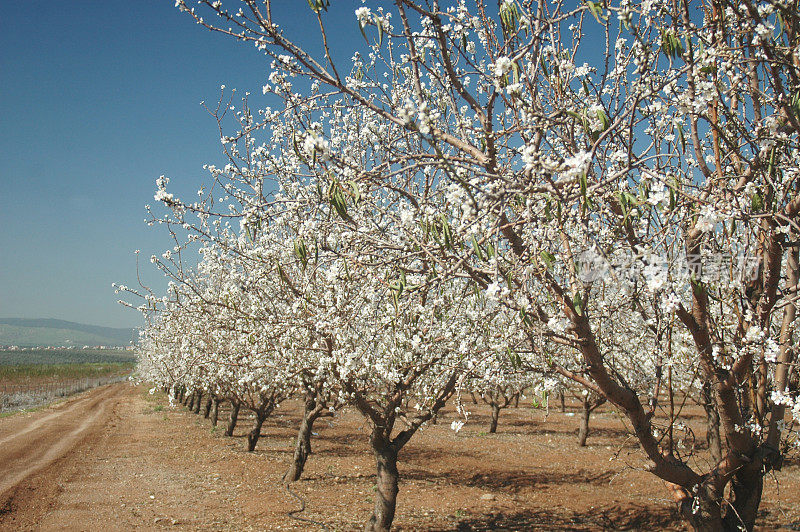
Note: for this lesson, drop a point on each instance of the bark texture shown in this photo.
(215, 411)
(495, 418)
(386, 485)
(233, 418)
(302, 449)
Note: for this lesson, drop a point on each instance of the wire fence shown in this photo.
(22, 396)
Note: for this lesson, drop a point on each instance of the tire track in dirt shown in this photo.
(32, 446)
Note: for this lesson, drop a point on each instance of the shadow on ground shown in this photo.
(612, 518)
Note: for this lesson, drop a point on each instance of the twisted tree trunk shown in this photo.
(583, 429)
(386, 485)
(302, 448)
(712, 422)
(262, 412)
(197, 402)
(495, 417)
(588, 403)
(207, 408)
(255, 434)
(215, 411)
(233, 418)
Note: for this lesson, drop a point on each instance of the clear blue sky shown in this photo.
(97, 99)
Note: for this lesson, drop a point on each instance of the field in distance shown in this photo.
(16, 357)
(30, 378)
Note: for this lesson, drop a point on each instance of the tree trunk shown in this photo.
(495, 417)
(386, 490)
(215, 412)
(583, 430)
(255, 434)
(234, 417)
(516, 400)
(562, 400)
(712, 422)
(197, 402)
(703, 513)
(303, 445)
(207, 408)
(747, 487)
(191, 400)
(474, 399)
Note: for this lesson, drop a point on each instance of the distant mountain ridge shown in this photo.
(28, 332)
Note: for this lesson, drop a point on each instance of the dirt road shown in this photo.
(27, 447)
(32, 445)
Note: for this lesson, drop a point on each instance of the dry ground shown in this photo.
(130, 463)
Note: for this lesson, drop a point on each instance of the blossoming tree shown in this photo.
(583, 165)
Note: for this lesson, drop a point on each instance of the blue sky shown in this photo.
(97, 99)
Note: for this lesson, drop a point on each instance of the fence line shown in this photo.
(22, 396)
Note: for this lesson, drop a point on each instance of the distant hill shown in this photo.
(49, 332)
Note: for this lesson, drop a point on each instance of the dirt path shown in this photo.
(117, 458)
(27, 447)
(32, 445)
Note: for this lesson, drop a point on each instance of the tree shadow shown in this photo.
(509, 481)
(429, 455)
(610, 518)
(339, 445)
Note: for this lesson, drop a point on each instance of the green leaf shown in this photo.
(316, 5)
(756, 203)
(301, 251)
(584, 186)
(477, 248)
(282, 275)
(337, 200)
(671, 45)
(601, 115)
(526, 319)
(363, 34)
(771, 165)
(795, 103)
(356, 191)
(380, 30)
(623, 203)
(548, 258)
(447, 233)
(577, 303)
(596, 10)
